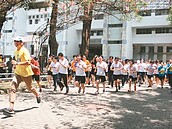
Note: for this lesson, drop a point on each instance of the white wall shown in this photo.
(18, 27)
(151, 21)
(115, 50)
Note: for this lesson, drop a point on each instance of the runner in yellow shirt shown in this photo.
(23, 72)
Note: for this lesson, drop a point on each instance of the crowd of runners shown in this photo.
(115, 71)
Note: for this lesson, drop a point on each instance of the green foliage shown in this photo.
(169, 18)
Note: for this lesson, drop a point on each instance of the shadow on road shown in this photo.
(16, 111)
(142, 110)
(23, 110)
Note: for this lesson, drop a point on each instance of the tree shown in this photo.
(85, 10)
(53, 21)
(127, 8)
(169, 18)
(87, 20)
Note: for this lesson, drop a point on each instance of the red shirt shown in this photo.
(36, 71)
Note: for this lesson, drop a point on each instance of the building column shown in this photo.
(164, 53)
(156, 52)
(146, 53)
(105, 51)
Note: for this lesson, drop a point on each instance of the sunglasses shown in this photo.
(17, 41)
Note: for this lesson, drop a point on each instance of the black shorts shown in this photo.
(133, 79)
(156, 75)
(36, 77)
(87, 73)
(161, 77)
(80, 79)
(115, 77)
(100, 78)
(150, 76)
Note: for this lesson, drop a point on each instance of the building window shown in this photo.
(33, 16)
(145, 13)
(37, 16)
(29, 17)
(169, 49)
(36, 21)
(41, 16)
(30, 22)
(32, 49)
(151, 49)
(99, 17)
(159, 56)
(142, 49)
(115, 25)
(144, 31)
(92, 32)
(9, 18)
(163, 30)
(115, 42)
(161, 12)
(151, 56)
(160, 49)
(96, 33)
(99, 32)
(7, 31)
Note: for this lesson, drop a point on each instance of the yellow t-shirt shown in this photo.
(23, 55)
(1, 62)
(88, 65)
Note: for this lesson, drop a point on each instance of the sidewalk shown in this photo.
(144, 109)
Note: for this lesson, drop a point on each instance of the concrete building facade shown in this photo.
(150, 38)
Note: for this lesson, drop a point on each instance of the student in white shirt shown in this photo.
(141, 74)
(116, 67)
(132, 70)
(150, 72)
(55, 66)
(101, 67)
(63, 71)
(124, 72)
(80, 67)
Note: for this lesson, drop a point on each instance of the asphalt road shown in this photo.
(144, 109)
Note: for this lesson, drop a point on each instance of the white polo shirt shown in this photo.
(80, 68)
(132, 70)
(55, 67)
(64, 64)
(101, 68)
(117, 68)
(150, 69)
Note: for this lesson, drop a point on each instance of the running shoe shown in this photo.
(38, 99)
(8, 111)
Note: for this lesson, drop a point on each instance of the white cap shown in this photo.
(138, 61)
(19, 38)
(32, 56)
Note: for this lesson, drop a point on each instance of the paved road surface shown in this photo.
(144, 109)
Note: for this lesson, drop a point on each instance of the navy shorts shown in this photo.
(115, 77)
(100, 78)
(80, 79)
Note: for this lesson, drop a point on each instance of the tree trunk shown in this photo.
(85, 37)
(2, 20)
(87, 20)
(52, 38)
